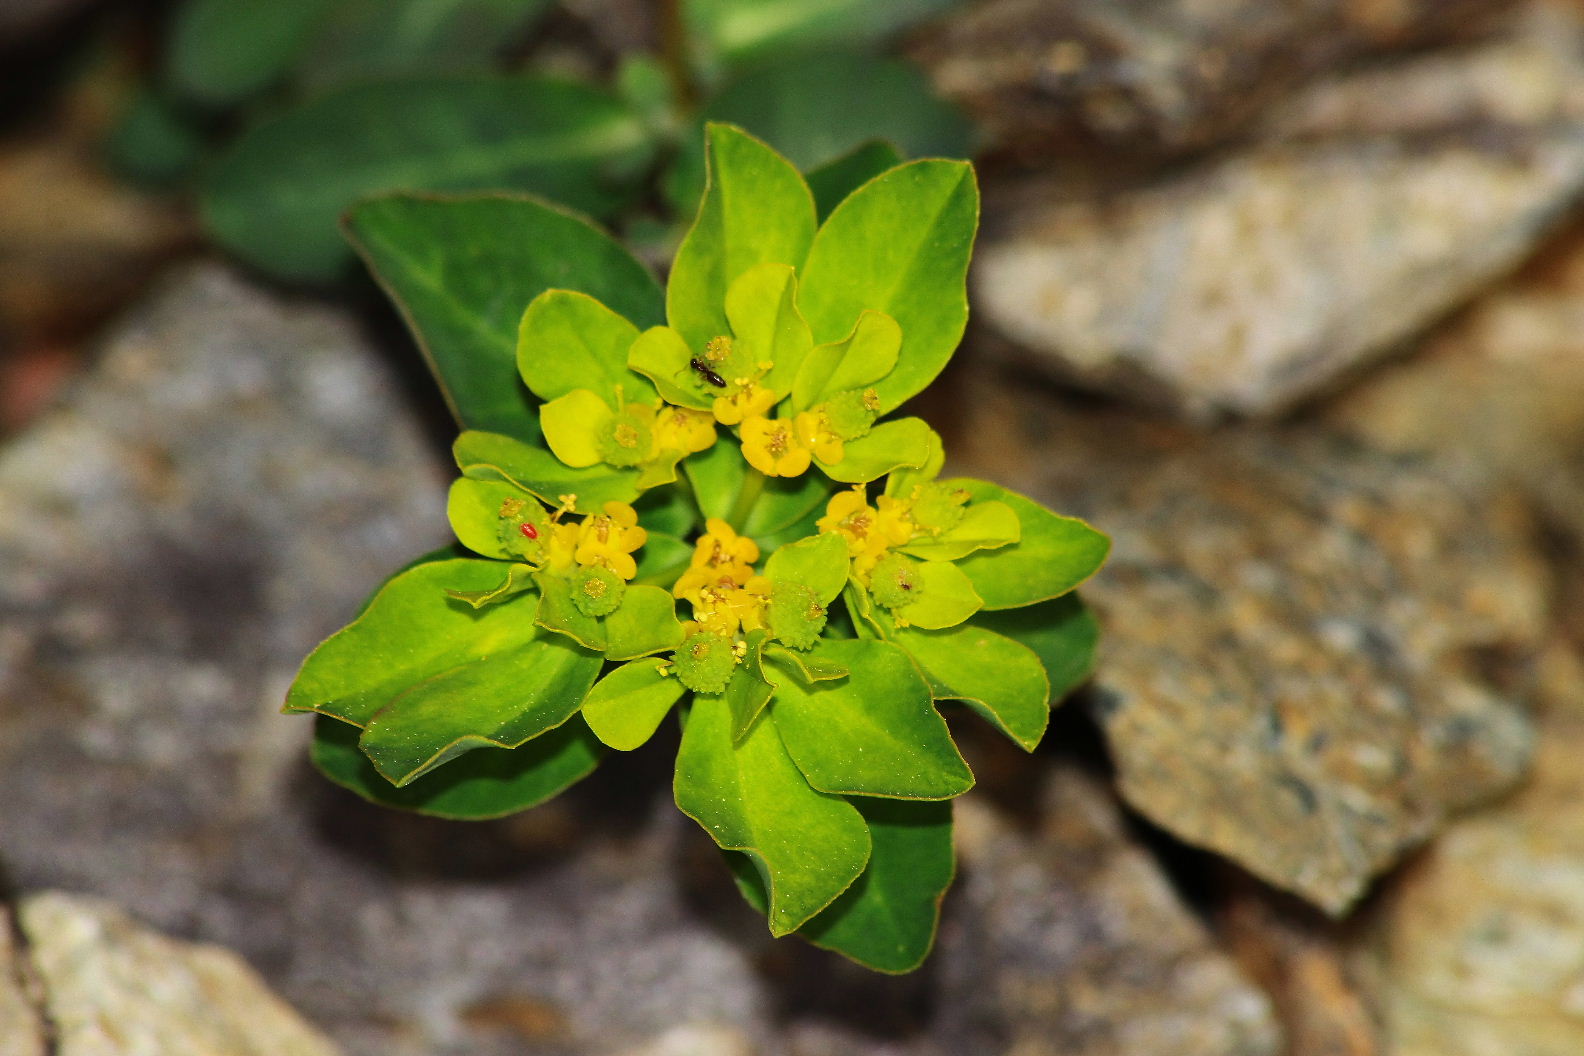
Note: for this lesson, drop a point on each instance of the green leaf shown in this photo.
(807, 846)
(741, 31)
(756, 209)
(761, 306)
(222, 51)
(874, 733)
(868, 622)
(901, 483)
(626, 706)
(644, 623)
(746, 695)
(1054, 555)
(1062, 632)
(499, 699)
(887, 919)
(570, 341)
(153, 142)
(665, 512)
(473, 508)
(946, 597)
(984, 526)
(485, 783)
(275, 196)
(557, 612)
(515, 579)
(784, 501)
(363, 39)
(574, 424)
(1003, 680)
(664, 358)
(717, 476)
(888, 446)
(464, 308)
(861, 358)
(808, 668)
(836, 179)
(408, 633)
(491, 456)
(819, 563)
(899, 244)
(816, 107)
(662, 559)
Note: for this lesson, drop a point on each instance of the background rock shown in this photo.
(1306, 643)
(1069, 941)
(1371, 203)
(1498, 388)
(1302, 960)
(117, 989)
(22, 1028)
(1157, 79)
(1479, 949)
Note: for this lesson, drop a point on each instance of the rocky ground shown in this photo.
(1288, 298)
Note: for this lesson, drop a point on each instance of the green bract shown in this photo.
(712, 515)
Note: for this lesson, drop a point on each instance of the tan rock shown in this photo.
(22, 1029)
(115, 988)
(1370, 204)
(1500, 387)
(1479, 949)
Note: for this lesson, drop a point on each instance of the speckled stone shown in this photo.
(1304, 640)
(1070, 942)
(115, 988)
(1153, 80)
(1364, 208)
(1478, 949)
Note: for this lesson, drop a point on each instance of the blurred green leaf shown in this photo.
(819, 109)
(485, 783)
(734, 32)
(154, 142)
(275, 196)
(359, 39)
(464, 307)
(222, 51)
(816, 108)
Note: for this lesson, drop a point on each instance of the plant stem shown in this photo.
(674, 54)
(753, 486)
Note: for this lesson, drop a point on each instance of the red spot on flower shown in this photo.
(529, 531)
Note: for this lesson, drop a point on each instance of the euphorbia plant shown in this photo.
(715, 516)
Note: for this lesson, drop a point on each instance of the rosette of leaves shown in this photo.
(701, 504)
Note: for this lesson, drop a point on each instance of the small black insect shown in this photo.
(703, 370)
